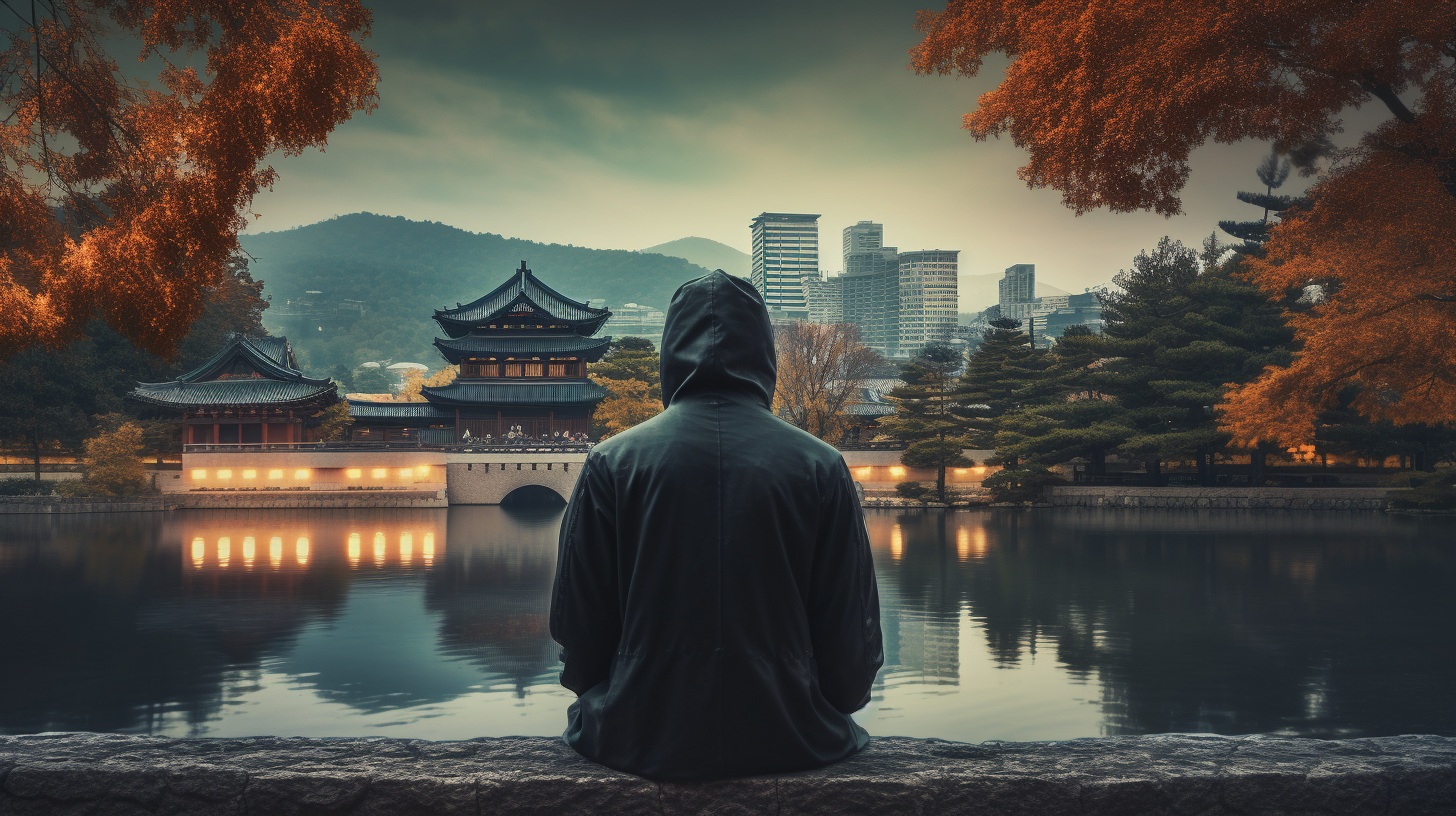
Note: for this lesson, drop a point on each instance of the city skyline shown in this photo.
(561, 125)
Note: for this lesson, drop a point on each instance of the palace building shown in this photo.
(249, 392)
(522, 351)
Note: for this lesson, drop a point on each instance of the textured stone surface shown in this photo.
(1221, 498)
(1132, 776)
(60, 504)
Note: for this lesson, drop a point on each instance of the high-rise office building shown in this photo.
(785, 247)
(824, 297)
(929, 293)
(1018, 291)
(870, 296)
(862, 237)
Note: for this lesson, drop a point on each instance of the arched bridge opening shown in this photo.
(533, 495)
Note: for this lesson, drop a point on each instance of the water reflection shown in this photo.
(1010, 625)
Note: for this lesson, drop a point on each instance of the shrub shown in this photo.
(913, 491)
(26, 487)
(114, 463)
(1021, 484)
(1428, 491)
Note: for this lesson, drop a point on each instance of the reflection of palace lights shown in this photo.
(406, 547)
(428, 548)
(897, 542)
(199, 549)
(379, 548)
(249, 548)
(224, 551)
(963, 543)
(300, 551)
(353, 549)
(275, 551)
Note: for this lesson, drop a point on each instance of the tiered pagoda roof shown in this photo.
(247, 371)
(514, 392)
(521, 301)
(590, 349)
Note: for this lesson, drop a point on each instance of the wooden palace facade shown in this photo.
(249, 392)
(522, 352)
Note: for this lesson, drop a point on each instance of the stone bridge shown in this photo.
(488, 477)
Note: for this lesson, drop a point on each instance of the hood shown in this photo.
(717, 338)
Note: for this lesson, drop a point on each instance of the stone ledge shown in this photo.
(1170, 774)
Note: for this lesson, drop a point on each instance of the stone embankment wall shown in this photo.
(1173, 774)
(1221, 498)
(306, 499)
(58, 504)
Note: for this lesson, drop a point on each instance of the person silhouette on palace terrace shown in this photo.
(714, 597)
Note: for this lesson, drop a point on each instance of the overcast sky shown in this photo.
(627, 125)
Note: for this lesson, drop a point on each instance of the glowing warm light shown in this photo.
(422, 470)
(378, 473)
(862, 472)
(300, 551)
(427, 549)
(199, 549)
(963, 543)
(224, 551)
(275, 551)
(353, 549)
(405, 473)
(250, 549)
(250, 474)
(199, 473)
(897, 542)
(353, 473)
(962, 471)
(379, 548)
(224, 474)
(301, 474)
(897, 472)
(406, 547)
(275, 474)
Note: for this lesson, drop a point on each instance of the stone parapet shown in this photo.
(1170, 774)
(1220, 498)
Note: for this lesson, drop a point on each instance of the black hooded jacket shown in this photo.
(714, 596)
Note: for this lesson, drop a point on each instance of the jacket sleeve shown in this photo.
(585, 612)
(844, 602)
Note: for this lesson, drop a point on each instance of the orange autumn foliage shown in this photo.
(1110, 97)
(122, 198)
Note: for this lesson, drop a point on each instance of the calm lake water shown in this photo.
(1015, 625)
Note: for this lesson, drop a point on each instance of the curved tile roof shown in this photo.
(236, 392)
(516, 392)
(524, 288)
(589, 348)
(363, 409)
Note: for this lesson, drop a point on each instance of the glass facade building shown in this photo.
(1017, 291)
(785, 248)
(862, 237)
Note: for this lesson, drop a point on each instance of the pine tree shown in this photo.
(1273, 172)
(924, 413)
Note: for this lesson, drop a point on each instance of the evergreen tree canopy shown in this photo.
(925, 415)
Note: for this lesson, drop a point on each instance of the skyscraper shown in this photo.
(871, 297)
(929, 291)
(785, 246)
(1018, 291)
(825, 298)
(862, 237)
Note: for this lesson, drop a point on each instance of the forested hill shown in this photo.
(403, 270)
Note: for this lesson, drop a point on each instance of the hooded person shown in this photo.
(715, 598)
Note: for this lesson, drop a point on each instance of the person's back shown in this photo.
(715, 596)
